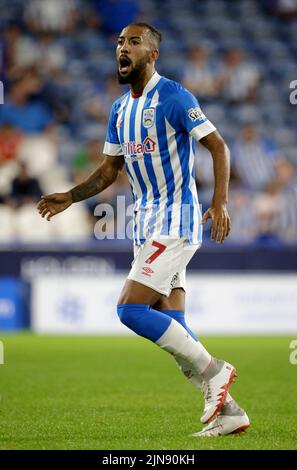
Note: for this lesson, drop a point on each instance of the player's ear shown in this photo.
(154, 56)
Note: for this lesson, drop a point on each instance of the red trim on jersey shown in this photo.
(135, 95)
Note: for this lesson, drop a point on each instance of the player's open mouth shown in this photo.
(124, 64)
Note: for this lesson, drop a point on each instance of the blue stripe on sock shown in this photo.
(179, 316)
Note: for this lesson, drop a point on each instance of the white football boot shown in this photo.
(215, 391)
(224, 424)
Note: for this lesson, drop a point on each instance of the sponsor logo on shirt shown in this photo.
(195, 114)
(134, 148)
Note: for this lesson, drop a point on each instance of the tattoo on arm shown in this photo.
(93, 185)
(99, 180)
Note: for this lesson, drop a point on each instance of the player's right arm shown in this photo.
(99, 180)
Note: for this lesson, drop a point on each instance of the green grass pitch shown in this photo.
(125, 393)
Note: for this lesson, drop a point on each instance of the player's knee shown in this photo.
(143, 320)
(124, 313)
(132, 315)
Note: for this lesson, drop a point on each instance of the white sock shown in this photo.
(177, 341)
(194, 377)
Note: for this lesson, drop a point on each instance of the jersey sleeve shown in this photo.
(112, 144)
(185, 112)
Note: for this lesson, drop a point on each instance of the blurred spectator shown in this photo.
(253, 158)
(26, 53)
(51, 15)
(287, 9)
(286, 174)
(242, 216)
(268, 216)
(286, 178)
(97, 106)
(51, 54)
(22, 51)
(20, 111)
(20, 48)
(25, 188)
(116, 14)
(10, 140)
(267, 208)
(238, 79)
(200, 77)
(10, 38)
(93, 109)
(87, 160)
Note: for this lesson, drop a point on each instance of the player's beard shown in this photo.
(136, 72)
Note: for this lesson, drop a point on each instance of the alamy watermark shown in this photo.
(293, 94)
(293, 354)
(170, 220)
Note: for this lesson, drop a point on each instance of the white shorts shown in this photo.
(161, 264)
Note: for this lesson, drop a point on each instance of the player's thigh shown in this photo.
(175, 301)
(134, 292)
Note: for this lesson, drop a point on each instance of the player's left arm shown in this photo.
(217, 211)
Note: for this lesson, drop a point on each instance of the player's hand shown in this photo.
(52, 204)
(221, 224)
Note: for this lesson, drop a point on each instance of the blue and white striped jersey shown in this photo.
(155, 132)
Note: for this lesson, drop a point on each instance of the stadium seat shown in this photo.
(7, 224)
(39, 153)
(30, 227)
(73, 225)
(7, 173)
(55, 180)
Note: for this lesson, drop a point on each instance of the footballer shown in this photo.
(151, 132)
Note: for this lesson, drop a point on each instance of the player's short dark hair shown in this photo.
(155, 35)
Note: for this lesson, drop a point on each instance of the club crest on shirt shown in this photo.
(148, 117)
(195, 114)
